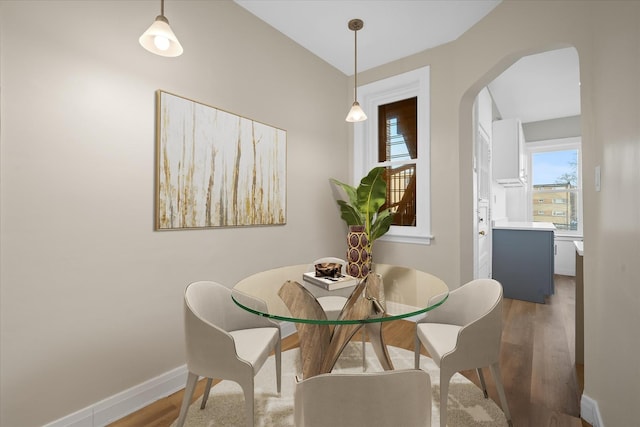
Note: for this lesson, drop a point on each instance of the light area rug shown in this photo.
(225, 406)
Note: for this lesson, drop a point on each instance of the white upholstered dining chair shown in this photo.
(223, 341)
(377, 399)
(465, 333)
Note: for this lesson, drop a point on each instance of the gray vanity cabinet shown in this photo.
(523, 261)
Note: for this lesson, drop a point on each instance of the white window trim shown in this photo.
(365, 144)
(559, 144)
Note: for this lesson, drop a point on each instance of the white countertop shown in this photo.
(524, 225)
(579, 247)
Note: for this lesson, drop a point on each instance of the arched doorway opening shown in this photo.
(484, 199)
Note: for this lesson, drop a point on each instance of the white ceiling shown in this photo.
(537, 87)
(392, 29)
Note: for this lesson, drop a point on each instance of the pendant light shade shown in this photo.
(159, 38)
(355, 114)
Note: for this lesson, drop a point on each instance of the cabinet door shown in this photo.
(508, 152)
(523, 263)
(565, 262)
(522, 159)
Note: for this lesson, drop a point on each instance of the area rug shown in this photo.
(225, 406)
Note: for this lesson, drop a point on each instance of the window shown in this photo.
(556, 184)
(396, 137)
(397, 145)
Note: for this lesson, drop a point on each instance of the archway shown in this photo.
(467, 147)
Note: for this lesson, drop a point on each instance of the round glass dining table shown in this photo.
(389, 293)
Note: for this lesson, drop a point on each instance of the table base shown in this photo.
(320, 346)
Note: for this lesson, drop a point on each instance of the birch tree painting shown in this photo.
(216, 169)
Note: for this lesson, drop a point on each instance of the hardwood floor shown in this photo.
(542, 384)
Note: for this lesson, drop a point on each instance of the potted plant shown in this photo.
(363, 210)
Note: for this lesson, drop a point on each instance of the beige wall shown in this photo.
(607, 37)
(91, 295)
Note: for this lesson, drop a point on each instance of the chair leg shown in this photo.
(192, 379)
(248, 401)
(418, 344)
(205, 396)
(482, 383)
(364, 346)
(495, 371)
(278, 358)
(445, 378)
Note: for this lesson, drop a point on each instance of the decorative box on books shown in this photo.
(330, 283)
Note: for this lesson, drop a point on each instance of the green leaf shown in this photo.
(372, 193)
(349, 190)
(364, 203)
(350, 214)
(381, 224)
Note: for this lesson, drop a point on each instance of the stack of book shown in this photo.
(330, 283)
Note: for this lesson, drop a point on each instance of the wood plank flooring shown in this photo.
(542, 384)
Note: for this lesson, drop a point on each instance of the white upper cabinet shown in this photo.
(508, 153)
(485, 111)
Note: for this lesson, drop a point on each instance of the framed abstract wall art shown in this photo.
(216, 169)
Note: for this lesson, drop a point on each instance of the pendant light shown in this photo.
(159, 38)
(356, 114)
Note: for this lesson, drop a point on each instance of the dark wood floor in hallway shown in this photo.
(542, 384)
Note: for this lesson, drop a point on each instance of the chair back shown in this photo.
(209, 301)
(379, 399)
(468, 303)
(483, 330)
(477, 308)
(208, 314)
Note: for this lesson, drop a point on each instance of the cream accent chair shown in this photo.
(465, 333)
(332, 305)
(377, 399)
(224, 341)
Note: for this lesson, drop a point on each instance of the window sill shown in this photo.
(415, 240)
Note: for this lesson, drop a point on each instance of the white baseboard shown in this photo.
(590, 412)
(126, 402)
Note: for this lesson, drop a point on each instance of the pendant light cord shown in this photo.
(355, 66)
(355, 113)
(355, 25)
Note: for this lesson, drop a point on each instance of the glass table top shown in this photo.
(407, 292)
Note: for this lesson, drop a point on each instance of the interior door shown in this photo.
(482, 228)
